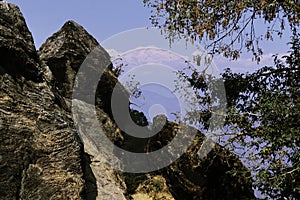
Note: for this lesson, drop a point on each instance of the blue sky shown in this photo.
(102, 19)
(105, 18)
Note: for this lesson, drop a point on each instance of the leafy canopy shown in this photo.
(229, 25)
(262, 121)
(264, 118)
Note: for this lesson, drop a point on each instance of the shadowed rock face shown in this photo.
(204, 178)
(192, 177)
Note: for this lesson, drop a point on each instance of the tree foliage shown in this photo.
(265, 119)
(262, 122)
(229, 25)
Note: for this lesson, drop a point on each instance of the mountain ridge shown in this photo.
(43, 154)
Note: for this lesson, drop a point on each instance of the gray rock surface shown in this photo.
(110, 185)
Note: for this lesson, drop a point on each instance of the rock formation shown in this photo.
(44, 156)
(40, 151)
(64, 52)
(41, 154)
